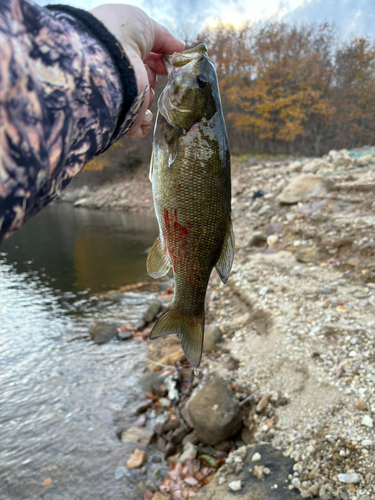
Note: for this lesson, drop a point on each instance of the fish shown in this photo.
(191, 186)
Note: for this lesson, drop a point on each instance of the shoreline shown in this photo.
(297, 318)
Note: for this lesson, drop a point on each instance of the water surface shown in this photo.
(58, 390)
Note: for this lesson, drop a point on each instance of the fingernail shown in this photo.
(148, 118)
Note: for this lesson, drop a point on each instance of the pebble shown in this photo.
(262, 404)
(272, 240)
(367, 421)
(165, 402)
(361, 405)
(296, 483)
(235, 485)
(348, 478)
(256, 457)
(259, 472)
(137, 459)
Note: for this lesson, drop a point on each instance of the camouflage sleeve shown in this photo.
(61, 99)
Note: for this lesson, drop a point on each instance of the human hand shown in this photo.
(144, 41)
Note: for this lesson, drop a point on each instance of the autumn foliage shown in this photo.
(294, 90)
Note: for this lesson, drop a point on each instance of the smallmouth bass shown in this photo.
(190, 175)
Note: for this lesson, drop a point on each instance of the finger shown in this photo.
(151, 97)
(152, 79)
(164, 41)
(156, 63)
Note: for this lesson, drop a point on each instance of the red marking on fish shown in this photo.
(177, 241)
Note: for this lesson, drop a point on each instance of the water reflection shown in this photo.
(57, 389)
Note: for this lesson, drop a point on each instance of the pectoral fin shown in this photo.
(224, 264)
(158, 263)
(172, 141)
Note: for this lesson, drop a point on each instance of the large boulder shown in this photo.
(102, 331)
(214, 414)
(301, 188)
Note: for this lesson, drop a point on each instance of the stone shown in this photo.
(295, 166)
(315, 165)
(306, 494)
(192, 437)
(300, 188)
(256, 457)
(263, 210)
(81, 202)
(348, 478)
(296, 483)
(364, 160)
(137, 459)
(367, 421)
(246, 435)
(235, 485)
(212, 336)
(153, 381)
(214, 414)
(262, 404)
(340, 159)
(189, 453)
(309, 254)
(152, 310)
(275, 228)
(137, 435)
(272, 240)
(120, 472)
(160, 422)
(258, 472)
(102, 331)
(124, 335)
(361, 405)
(164, 402)
(256, 240)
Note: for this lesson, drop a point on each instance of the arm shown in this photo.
(62, 102)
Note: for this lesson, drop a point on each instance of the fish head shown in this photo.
(192, 92)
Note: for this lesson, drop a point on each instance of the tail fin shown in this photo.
(189, 328)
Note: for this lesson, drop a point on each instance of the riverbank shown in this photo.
(298, 329)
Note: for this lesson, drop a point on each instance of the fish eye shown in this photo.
(202, 81)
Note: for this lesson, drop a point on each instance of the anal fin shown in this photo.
(158, 263)
(224, 264)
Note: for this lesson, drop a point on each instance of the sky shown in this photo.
(188, 15)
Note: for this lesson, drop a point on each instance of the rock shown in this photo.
(315, 165)
(340, 159)
(153, 381)
(348, 478)
(81, 202)
(306, 494)
(367, 421)
(137, 435)
(295, 166)
(309, 254)
(143, 407)
(272, 240)
(102, 331)
(152, 310)
(120, 472)
(189, 453)
(191, 438)
(235, 485)
(160, 422)
(300, 188)
(137, 459)
(213, 412)
(246, 435)
(296, 483)
(275, 228)
(212, 336)
(361, 405)
(364, 160)
(277, 259)
(256, 457)
(124, 335)
(256, 240)
(263, 210)
(262, 404)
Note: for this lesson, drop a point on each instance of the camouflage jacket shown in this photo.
(63, 100)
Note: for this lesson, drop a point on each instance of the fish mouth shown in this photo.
(181, 59)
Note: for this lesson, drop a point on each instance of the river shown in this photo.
(58, 390)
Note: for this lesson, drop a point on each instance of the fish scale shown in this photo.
(191, 191)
